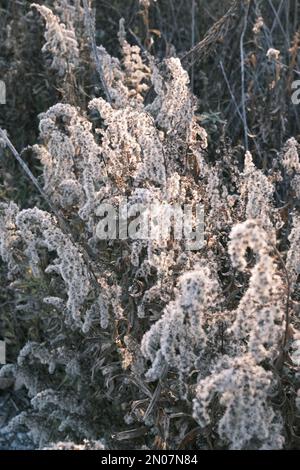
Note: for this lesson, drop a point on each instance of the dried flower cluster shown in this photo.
(126, 338)
(61, 43)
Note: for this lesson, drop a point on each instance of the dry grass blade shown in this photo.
(130, 434)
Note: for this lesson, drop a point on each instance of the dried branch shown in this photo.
(91, 33)
(242, 53)
(215, 35)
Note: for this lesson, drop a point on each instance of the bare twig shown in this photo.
(91, 33)
(230, 91)
(26, 170)
(236, 105)
(193, 42)
(242, 53)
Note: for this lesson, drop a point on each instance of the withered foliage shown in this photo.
(144, 343)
